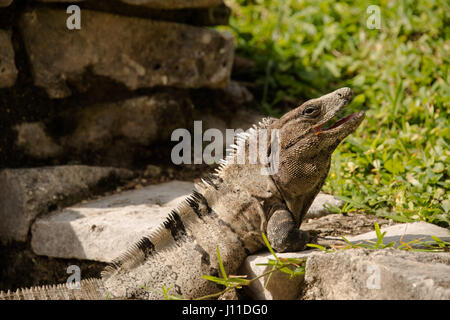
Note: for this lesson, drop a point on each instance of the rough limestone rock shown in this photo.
(99, 133)
(388, 274)
(142, 120)
(27, 193)
(241, 120)
(226, 108)
(8, 71)
(238, 94)
(100, 230)
(318, 208)
(406, 232)
(336, 225)
(136, 52)
(33, 139)
(162, 4)
(344, 274)
(280, 286)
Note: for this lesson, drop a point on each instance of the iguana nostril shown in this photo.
(344, 93)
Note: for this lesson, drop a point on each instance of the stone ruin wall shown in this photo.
(134, 72)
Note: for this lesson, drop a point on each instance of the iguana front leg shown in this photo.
(283, 233)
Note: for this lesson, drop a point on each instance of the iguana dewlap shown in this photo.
(230, 209)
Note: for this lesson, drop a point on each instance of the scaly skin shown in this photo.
(230, 210)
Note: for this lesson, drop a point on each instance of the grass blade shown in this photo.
(222, 269)
(270, 248)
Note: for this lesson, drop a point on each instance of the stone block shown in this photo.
(103, 229)
(27, 193)
(135, 52)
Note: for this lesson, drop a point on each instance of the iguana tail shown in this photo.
(175, 256)
(90, 289)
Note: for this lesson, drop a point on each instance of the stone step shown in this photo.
(346, 274)
(27, 193)
(387, 274)
(405, 232)
(101, 230)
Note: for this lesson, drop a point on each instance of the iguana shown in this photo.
(229, 209)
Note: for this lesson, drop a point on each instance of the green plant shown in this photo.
(237, 282)
(436, 245)
(231, 282)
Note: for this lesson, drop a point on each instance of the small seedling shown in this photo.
(237, 282)
(436, 245)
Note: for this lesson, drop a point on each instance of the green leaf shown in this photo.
(222, 269)
(438, 167)
(294, 260)
(390, 244)
(380, 236)
(299, 271)
(166, 292)
(397, 218)
(270, 248)
(394, 166)
(241, 281)
(321, 248)
(345, 239)
(439, 241)
(332, 208)
(287, 270)
(353, 202)
(221, 281)
(268, 278)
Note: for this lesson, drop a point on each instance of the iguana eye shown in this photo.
(311, 111)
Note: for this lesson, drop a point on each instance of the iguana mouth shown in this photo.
(322, 128)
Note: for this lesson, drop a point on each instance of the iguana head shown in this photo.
(306, 142)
